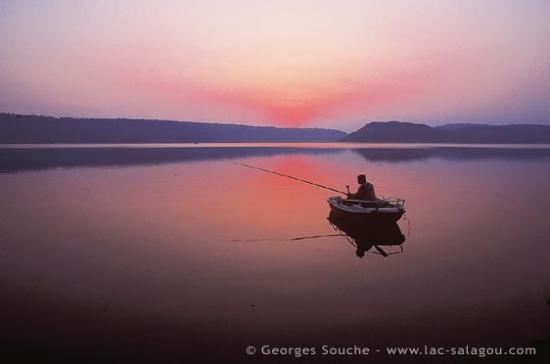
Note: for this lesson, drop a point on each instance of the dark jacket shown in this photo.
(365, 192)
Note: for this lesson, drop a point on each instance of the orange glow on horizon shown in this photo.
(296, 105)
(291, 63)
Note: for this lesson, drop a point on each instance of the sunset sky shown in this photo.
(289, 63)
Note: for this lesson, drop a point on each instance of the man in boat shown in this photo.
(365, 191)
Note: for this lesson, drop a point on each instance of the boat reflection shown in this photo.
(386, 238)
(382, 237)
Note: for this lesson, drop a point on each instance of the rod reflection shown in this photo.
(376, 237)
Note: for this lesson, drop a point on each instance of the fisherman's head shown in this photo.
(361, 179)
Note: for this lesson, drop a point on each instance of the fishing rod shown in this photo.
(286, 175)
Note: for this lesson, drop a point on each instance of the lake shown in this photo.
(167, 253)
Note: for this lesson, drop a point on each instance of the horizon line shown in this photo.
(236, 123)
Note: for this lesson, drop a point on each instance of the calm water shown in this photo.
(141, 253)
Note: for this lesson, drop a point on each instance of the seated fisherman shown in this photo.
(365, 190)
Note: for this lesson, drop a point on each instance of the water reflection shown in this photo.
(365, 235)
(145, 251)
(452, 153)
(13, 159)
(28, 159)
(375, 237)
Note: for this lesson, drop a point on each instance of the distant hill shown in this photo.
(404, 132)
(45, 129)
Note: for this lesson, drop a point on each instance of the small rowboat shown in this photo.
(381, 210)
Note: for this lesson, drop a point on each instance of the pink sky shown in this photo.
(292, 63)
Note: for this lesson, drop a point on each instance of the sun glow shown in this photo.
(297, 63)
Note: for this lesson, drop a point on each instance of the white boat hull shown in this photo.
(389, 210)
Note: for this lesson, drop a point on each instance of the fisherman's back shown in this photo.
(367, 191)
(364, 192)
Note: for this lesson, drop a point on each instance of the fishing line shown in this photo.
(284, 239)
